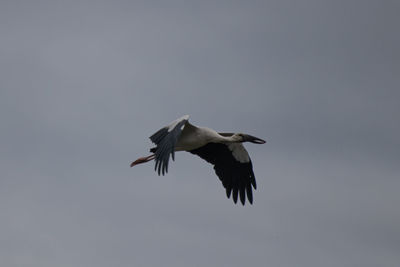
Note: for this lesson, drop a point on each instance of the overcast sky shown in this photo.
(83, 84)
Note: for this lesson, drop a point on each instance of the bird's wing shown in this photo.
(233, 166)
(226, 134)
(166, 139)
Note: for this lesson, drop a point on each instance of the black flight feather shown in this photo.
(237, 177)
(166, 139)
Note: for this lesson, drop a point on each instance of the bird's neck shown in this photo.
(226, 139)
(214, 137)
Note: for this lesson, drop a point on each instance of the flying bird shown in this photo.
(225, 151)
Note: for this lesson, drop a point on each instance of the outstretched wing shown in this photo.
(233, 166)
(166, 139)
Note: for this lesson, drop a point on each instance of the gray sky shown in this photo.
(84, 83)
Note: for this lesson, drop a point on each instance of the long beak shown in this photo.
(253, 139)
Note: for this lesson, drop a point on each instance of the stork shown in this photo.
(225, 151)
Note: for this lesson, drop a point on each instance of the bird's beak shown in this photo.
(253, 139)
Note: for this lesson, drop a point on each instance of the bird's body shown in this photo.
(225, 151)
(193, 137)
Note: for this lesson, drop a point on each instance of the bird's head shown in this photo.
(240, 137)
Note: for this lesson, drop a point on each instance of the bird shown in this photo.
(232, 163)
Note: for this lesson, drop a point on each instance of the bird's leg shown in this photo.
(143, 160)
